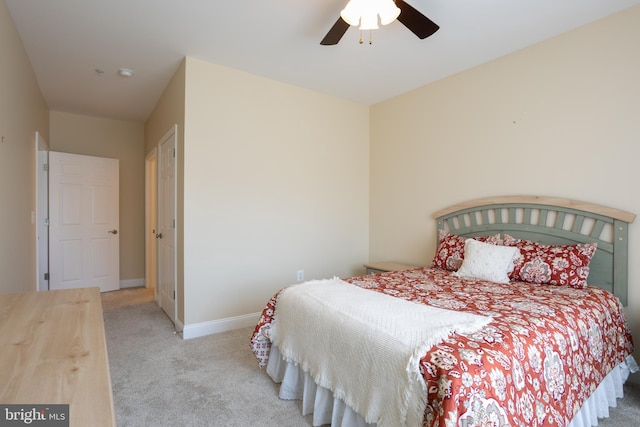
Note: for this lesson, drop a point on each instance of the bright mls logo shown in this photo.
(34, 415)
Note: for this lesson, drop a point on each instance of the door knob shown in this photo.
(113, 231)
(159, 236)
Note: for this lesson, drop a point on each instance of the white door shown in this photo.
(42, 213)
(166, 223)
(83, 231)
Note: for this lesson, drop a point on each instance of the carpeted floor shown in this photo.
(159, 379)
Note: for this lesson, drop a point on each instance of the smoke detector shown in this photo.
(125, 72)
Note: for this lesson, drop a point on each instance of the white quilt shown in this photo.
(363, 345)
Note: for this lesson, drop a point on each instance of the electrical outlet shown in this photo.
(300, 275)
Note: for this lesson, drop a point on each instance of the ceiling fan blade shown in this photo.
(335, 33)
(419, 24)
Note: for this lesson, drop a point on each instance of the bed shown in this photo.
(517, 320)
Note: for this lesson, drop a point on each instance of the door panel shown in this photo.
(167, 224)
(84, 219)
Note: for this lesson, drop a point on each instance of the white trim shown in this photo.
(132, 283)
(41, 213)
(179, 326)
(220, 325)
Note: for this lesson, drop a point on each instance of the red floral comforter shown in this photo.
(545, 352)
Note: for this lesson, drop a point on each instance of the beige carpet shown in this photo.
(159, 379)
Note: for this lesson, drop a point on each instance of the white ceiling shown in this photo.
(67, 40)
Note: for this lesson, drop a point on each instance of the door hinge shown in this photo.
(174, 153)
(45, 167)
(174, 223)
(174, 294)
(46, 222)
(46, 276)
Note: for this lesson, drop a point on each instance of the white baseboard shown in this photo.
(132, 283)
(221, 325)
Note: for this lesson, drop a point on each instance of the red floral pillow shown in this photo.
(450, 252)
(555, 265)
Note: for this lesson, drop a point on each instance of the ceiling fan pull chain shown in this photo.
(361, 41)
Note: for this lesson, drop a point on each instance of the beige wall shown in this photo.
(169, 111)
(116, 139)
(275, 180)
(561, 118)
(23, 111)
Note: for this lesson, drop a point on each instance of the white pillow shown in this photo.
(484, 261)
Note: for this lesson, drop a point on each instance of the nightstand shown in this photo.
(381, 267)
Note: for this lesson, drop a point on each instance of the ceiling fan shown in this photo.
(415, 21)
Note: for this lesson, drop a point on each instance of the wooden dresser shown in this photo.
(53, 351)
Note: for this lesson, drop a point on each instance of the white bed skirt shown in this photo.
(295, 384)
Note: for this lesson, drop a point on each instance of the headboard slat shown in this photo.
(543, 217)
(474, 219)
(597, 229)
(485, 216)
(527, 215)
(450, 223)
(578, 224)
(497, 214)
(560, 220)
(462, 219)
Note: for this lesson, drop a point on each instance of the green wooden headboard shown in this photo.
(552, 221)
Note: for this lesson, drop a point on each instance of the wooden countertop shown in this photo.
(53, 351)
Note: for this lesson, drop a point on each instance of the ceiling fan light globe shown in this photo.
(388, 11)
(352, 12)
(349, 19)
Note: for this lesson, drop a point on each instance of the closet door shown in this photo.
(166, 236)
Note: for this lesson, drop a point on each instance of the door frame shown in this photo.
(150, 227)
(41, 216)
